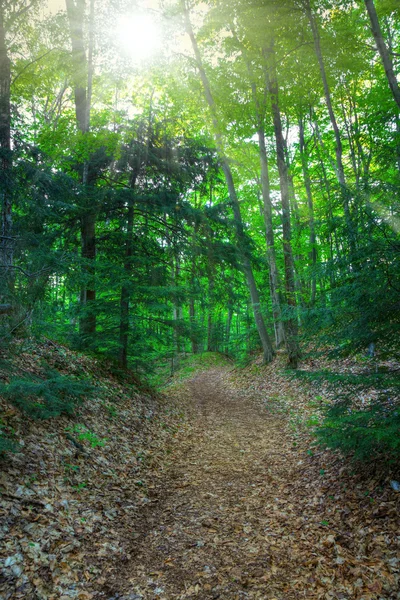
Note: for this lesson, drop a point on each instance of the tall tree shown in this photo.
(383, 50)
(82, 82)
(241, 238)
(6, 243)
(292, 323)
(340, 173)
(310, 203)
(260, 113)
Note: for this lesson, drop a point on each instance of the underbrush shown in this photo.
(80, 444)
(361, 417)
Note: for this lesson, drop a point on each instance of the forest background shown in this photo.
(178, 178)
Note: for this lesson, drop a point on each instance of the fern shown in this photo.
(44, 399)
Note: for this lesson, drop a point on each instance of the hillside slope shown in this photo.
(72, 494)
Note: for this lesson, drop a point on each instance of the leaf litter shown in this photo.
(247, 510)
(230, 501)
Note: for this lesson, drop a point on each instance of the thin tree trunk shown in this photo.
(270, 240)
(339, 148)
(82, 81)
(192, 319)
(125, 291)
(193, 279)
(177, 310)
(296, 228)
(292, 326)
(210, 326)
(397, 117)
(228, 329)
(6, 241)
(266, 208)
(241, 238)
(307, 183)
(383, 50)
(140, 162)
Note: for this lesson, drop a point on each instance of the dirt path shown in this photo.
(211, 537)
(235, 519)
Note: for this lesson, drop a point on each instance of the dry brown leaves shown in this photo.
(68, 516)
(248, 511)
(234, 505)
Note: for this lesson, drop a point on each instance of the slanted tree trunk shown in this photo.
(82, 82)
(266, 210)
(290, 286)
(383, 50)
(312, 256)
(339, 148)
(390, 43)
(268, 351)
(6, 242)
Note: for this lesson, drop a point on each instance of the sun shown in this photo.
(139, 36)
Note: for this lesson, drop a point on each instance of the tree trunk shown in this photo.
(177, 309)
(6, 241)
(82, 82)
(268, 351)
(192, 319)
(383, 50)
(292, 326)
(125, 291)
(266, 208)
(339, 148)
(76, 14)
(228, 329)
(269, 235)
(307, 183)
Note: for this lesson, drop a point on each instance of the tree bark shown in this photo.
(268, 351)
(307, 183)
(339, 148)
(125, 291)
(290, 285)
(276, 294)
(383, 50)
(82, 82)
(6, 241)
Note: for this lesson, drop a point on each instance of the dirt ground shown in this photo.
(243, 512)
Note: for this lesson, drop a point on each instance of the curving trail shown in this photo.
(212, 536)
(236, 516)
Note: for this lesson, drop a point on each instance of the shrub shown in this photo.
(366, 433)
(363, 417)
(46, 398)
(6, 444)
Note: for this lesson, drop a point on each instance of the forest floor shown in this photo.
(214, 489)
(247, 510)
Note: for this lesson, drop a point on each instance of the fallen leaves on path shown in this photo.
(234, 504)
(247, 511)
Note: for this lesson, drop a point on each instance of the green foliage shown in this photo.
(163, 227)
(47, 398)
(363, 418)
(84, 434)
(371, 432)
(7, 444)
